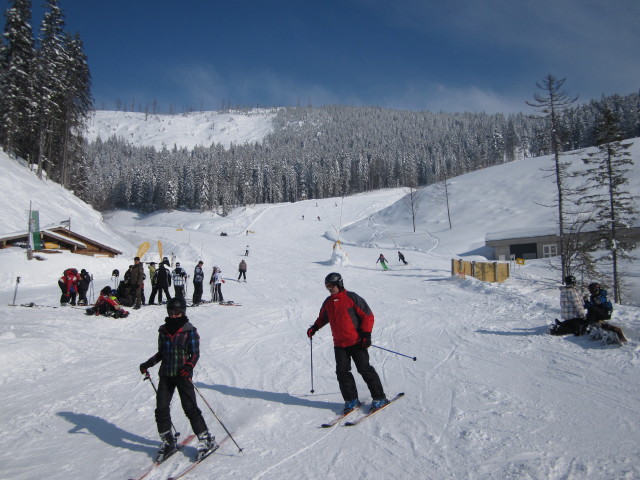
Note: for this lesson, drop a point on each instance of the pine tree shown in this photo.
(552, 103)
(77, 102)
(613, 206)
(16, 89)
(50, 85)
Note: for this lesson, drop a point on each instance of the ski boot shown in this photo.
(167, 448)
(206, 445)
(350, 405)
(377, 404)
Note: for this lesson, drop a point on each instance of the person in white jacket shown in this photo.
(216, 285)
(179, 278)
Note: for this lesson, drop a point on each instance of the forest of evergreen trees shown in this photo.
(333, 151)
(45, 93)
(45, 100)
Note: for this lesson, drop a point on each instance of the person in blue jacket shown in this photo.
(597, 305)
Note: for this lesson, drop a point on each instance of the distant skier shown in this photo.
(198, 278)
(154, 282)
(84, 281)
(179, 351)
(242, 269)
(179, 278)
(136, 283)
(68, 284)
(401, 258)
(163, 281)
(351, 322)
(383, 262)
(216, 282)
(246, 252)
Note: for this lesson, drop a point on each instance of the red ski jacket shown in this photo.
(348, 315)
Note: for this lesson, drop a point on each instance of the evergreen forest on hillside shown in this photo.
(45, 103)
(45, 93)
(332, 151)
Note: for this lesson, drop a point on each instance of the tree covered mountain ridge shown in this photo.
(289, 153)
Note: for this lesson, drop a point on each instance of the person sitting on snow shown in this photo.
(107, 305)
(572, 310)
(599, 309)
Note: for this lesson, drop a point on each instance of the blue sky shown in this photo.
(439, 55)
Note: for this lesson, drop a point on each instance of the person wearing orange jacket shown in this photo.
(351, 322)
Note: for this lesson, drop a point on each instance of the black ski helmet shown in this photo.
(334, 279)
(177, 304)
(569, 280)
(594, 288)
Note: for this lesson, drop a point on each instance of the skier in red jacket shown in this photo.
(351, 322)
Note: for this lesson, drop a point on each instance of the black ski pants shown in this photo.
(159, 289)
(179, 290)
(197, 292)
(187, 392)
(217, 293)
(347, 383)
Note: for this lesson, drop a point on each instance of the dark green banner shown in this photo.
(34, 228)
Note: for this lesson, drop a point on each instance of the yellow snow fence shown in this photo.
(485, 271)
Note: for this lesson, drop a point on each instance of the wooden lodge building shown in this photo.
(60, 238)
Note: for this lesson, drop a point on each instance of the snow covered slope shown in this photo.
(187, 130)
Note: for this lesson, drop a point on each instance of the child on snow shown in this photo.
(179, 351)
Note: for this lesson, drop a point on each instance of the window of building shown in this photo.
(549, 251)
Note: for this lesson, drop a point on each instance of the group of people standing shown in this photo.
(162, 278)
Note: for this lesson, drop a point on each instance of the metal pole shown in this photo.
(15, 292)
(312, 390)
(214, 414)
(401, 354)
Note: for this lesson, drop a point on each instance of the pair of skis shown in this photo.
(156, 464)
(360, 419)
(187, 469)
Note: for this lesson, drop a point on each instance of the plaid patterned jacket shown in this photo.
(175, 351)
(571, 305)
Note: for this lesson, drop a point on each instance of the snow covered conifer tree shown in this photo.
(552, 103)
(612, 205)
(17, 112)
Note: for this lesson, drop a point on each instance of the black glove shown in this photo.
(186, 371)
(146, 366)
(312, 330)
(365, 339)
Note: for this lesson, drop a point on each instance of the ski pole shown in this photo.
(176, 433)
(312, 390)
(397, 353)
(15, 292)
(214, 414)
